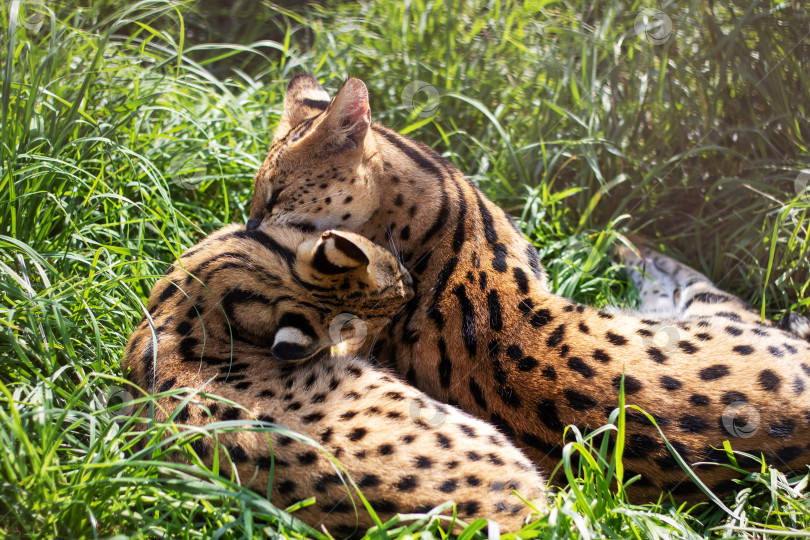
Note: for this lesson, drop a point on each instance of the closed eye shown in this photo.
(273, 200)
(302, 226)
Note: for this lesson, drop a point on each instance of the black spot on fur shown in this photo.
(631, 384)
(616, 339)
(283, 440)
(732, 396)
(477, 394)
(494, 308)
(509, 396)
(640, 446)
(744, 350)
(312, 418)
(656, 355)
(578, 365)
(584, 328)
(687, 347)
(467, 320)
(200, 448)
(167, 385)
(369, 480)
(499, 257)
(682, 488)
(521, 280)
(383, 506)
(307, 458)
(692, 424)
(670, 383)
(527, 363)
(712, 373)
(444, 441)
(286, 487)
(495, 460)
(579, 402)
(167, 293)
(782, 429)
(789, 453)
(237, 454)
(445, 365)
(448, 486)
(556, 336)
(541, 318)
(699, 400)
(548, 414)
(769, 380)
(473, 456)
(637, 417)
(184, 328)
(534, 261)
(230, 413)
(407, 483)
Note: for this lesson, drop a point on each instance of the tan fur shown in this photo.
(218, 312)
(484, 332)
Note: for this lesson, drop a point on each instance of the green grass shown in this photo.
(128, 133)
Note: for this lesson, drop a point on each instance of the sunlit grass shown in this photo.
(119, 149)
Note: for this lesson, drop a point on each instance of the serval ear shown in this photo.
(338, 252)
(304, 99)
(344, 124)
(295, 338)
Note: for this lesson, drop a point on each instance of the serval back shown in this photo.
(484, 332)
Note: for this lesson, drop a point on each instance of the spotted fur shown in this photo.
(484, 332)
(249, 316)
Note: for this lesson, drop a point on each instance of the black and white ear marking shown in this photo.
(291, 344)
(304, 99)
(295, 338)
(338, 253)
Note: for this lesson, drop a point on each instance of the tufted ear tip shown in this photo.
(304, 98)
